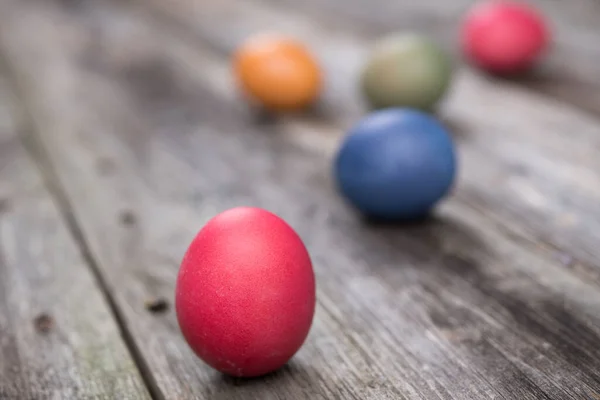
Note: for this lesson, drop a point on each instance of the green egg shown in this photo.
(406, 70)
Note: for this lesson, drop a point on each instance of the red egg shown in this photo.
(245, 296)
(504, 37)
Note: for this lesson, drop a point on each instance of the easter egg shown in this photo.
(395, 164)
(245, 292)
(504, 37)
(405, 70)
(278, 72)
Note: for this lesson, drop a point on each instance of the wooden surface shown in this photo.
(58, 338)
(131, 115)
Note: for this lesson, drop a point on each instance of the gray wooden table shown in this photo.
(122, 133)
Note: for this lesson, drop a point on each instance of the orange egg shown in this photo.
(278, 72)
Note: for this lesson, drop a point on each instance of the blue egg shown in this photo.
(396, 163)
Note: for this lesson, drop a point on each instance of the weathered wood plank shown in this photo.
(149, 143)
(58, 338)
(569, 70)
(520, 152)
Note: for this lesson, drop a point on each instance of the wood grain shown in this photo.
(567, 71)
(58, 338)
(520, 153)
(149, 139)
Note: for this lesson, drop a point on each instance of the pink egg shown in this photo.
(504, 37)
(245, 295)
